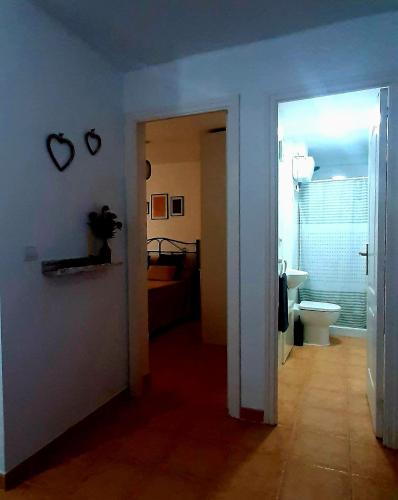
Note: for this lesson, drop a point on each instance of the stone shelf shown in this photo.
(67, 267)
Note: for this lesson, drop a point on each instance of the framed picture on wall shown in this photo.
(176, 205)
(159, 206)
(147, 207)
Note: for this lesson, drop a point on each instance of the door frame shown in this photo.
(390, 355)
(137, 234)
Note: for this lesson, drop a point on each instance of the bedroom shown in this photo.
(186, 251)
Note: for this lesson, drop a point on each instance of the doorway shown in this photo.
(186, 246)
(332, 155)
(137, 244)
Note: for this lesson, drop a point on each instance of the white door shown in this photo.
(375, 263)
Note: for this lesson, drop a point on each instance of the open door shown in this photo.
(375, 256)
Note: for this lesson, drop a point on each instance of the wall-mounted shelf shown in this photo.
(67, 267)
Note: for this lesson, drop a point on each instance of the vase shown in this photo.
(105, 252)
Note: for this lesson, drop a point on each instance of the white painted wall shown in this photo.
(336, 167)
(176, 179)
(288, 205)
(64, 341)
(213, 279)
(338, 54)
(176, 151)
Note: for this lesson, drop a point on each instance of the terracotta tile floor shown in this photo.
(177, 442)
(333, 452)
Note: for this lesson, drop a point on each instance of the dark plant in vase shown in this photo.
(104, 226)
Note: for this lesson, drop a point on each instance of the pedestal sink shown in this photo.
(295, 278)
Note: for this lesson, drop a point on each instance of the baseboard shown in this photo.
(252, 415)
(41, 459)
(345, 331)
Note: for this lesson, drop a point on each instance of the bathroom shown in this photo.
(324, 232)
(323, 204)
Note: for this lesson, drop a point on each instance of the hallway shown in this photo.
(177, 442)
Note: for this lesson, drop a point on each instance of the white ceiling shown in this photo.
(136, 33)
(334, 128)
(178, 139)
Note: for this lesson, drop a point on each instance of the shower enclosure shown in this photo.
(333, 229)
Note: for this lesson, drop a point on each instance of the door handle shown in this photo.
(366, 254)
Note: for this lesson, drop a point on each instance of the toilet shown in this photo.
(316, 318)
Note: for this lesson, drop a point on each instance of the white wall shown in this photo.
(177, 151)
(213, 279)
(334, 164)
(176, 179)
(288, 204)
(340, 53)
(64, 341)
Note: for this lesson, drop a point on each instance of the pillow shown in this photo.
(161, 273)
(177, 260)
(152, 259)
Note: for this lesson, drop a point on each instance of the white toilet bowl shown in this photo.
(316, 318)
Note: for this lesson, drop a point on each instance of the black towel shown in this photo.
(283, 309)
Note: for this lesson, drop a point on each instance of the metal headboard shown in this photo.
(169, 246)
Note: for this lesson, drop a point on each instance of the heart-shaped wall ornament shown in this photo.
(60, 139)
(93, 141)
(148, 172)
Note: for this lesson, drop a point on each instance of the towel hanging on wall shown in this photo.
(283, 309)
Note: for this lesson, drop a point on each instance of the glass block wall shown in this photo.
(333, 228)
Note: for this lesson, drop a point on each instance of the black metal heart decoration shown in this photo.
(148, 172)
(93, 137)
(61, 140)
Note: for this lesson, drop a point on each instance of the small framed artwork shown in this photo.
(159, 206)
(147, 207)
(176, 206)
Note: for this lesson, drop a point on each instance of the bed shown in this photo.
(173, 282)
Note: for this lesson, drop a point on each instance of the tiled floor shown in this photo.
(333, 452)
(178, 442)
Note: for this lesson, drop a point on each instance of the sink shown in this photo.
(295, 278)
